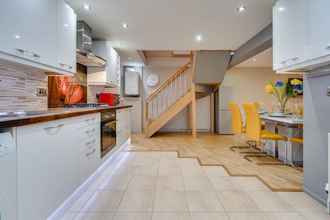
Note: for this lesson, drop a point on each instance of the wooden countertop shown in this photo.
(54, 114)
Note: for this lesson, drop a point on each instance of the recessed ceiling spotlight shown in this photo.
(281, 9)
(241, 9)
(125, 25)
(87, 7)
(199, 38)
(17, 36)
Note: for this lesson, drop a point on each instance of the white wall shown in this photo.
(249, 85)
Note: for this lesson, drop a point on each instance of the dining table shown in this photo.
(287, 125)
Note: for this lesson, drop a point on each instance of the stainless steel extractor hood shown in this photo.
(84, 47)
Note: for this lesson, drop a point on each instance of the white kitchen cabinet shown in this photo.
(123, 126)
(319, 31)
(290, 19)
(89, 139)
(66, 32)
(54, 158)
(29, 29)
(300, 35)
(8, 171)
(30, 36)
(110, 75)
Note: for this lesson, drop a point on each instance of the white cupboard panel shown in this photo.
(319, 31)
(66, 28)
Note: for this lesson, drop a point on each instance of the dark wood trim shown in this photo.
(16, 122)
(227, 170)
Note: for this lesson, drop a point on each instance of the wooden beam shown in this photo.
(193, 120)
(143, 57)
(257, 44)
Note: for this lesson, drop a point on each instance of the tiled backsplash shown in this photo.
(18, 90)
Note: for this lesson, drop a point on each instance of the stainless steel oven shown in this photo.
(108, 131)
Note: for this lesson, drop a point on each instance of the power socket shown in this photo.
(328, 91)
(41, 92)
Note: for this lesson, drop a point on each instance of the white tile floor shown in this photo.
(160, 186)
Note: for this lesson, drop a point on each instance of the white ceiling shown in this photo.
(264, 59)
(173, 24)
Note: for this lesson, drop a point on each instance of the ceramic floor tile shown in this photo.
(171, 216)
(169, 155)
(249, 184)
(209, 216)
(237, 201)
(247, 216)
(104, 201)
(94, 216)
(214, 171)
(69, 216)
(315, 215)
(192, 171)
(170, 201)
(113, 182)
(168, 168)
(170, 183)
(142, 183)
(301, 201)
(223, 183)
(132, 216)
(269, 201)
(147, 170)
(137, 201)
(203, 201)
(198, 183)
(284, 216)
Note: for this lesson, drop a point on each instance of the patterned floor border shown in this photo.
(227, 170)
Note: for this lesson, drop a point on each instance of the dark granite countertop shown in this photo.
(54, 114)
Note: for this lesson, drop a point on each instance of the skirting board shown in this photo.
(61, 210)
(316, 197)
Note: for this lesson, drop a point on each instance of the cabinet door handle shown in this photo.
(327, 47)
(90, 142)
(36, 55)
(91, 153)
(20, 50)
(54, 127)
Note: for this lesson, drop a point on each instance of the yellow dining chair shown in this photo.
(237, 126)
(255, 132)
(297, 140)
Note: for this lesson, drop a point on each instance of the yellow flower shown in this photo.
(269, 89)
(296, 82)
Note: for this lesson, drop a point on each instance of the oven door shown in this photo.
(108, 136)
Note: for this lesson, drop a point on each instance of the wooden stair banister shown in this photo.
(170, 79)
(168, 99)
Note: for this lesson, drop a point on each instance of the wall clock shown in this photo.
(152, 80)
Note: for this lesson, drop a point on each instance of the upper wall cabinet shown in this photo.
(110, 75)
(319, 28)
(301, 39)
(67, 37)
(30, 33)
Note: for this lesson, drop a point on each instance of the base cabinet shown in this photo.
(53, 159)
(123, 126)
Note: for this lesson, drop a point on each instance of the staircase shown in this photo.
(183, 87)
(176, 93)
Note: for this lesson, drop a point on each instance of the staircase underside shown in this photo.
(177, 107)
